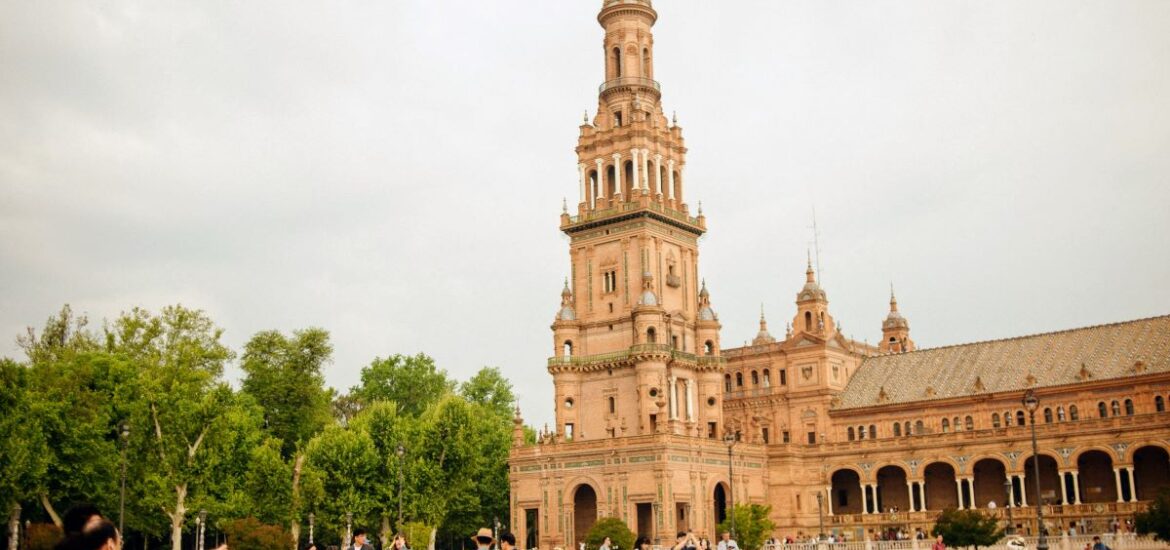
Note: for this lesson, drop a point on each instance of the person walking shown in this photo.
(728, 543)
(508, 541)
(483, 539)
(938, 544)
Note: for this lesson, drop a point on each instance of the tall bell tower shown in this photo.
(636, 340)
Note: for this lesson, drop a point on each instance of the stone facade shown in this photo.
(656, 424)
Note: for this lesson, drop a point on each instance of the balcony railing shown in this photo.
(630, 207)
(629, 81)
(636, 350)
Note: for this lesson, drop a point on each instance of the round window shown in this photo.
(653, 392)
(569, 403)
(710, 401)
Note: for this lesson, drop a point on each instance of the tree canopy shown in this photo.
(967, 528)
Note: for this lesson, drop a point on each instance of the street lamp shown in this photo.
(401, 452)
(201, 528)
(1007, 489)
(1031, 402)
(125, 433)
(729, 440)
(311, 518)
(348, 528)
(820, 516)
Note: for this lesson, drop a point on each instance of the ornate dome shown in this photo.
(648, 298)
(894, 319)
(763, 337)
(566, 313)
(705, 311)
(811, 290)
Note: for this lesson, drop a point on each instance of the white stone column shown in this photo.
(1063, 488)
(1023, 489)
(959, 487)
(865, 498)
(600, 181)
(634, 157)
(617, 174)
(645, 171)
(922, 495)
(581, 179)
(673, 398)
(829, 499)
(971, 490)
(1076, 487)
(682, 174)
(658, 175)
(910, 494)
(670, 179)
(1117, 481)
(1132, 487)
(690, 399)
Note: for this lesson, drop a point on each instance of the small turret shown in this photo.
(812, 308)
(895, 330)
(763, 337)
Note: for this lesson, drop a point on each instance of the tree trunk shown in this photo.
(52, 512)
(294, 527)
(14, 527)
(385, 535)
(178, 516)
(431, 543)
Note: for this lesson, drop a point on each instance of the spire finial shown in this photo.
(585, 118)
(674, 118)
(808, 272)
(893, 300)
(700, 208)
(564, 205)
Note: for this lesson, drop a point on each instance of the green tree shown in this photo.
(23, 449)
(752, 525)
(345, 464)
(387, 430)
(960, 528)
(490, 389)
(412, 382)
(1155, 519)
(252, 534)
(617, 531)
(182, 403)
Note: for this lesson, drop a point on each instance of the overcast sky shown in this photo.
(393, 171)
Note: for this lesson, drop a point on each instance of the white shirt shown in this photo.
(728, 545)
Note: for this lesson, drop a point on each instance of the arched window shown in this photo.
(1102, 410)
(994, 420)
(897, 430)
(617, 62)
(709, 348)
(919, 427)
(1060, 414)
(1020, 418)
(969, 423)
(808, 321)
(1047, 415)
(628, 183)
(651, 335)
(612, 405)
(1159, 404)
(946, 425)
(677, 186)
(755, 378)
(727, 381)
(739, 379)
(1116, 408)
(1072, 413)
(593, 184)
(767, 378)
(851, 435)
(872, 431)
(1007, 418)
(906, 428)
(646, 63)
(956, 424)
(861, 432)
(1129, 407)
(610, 180)
(568, 348)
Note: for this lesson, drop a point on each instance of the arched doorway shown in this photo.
(846, 492)
(720, 500)
(584, 512)
(941, 491)
(1096, 476)
(1151, 471)
(989, 477)
(1049, 481)
(892, 489)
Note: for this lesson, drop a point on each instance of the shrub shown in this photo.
(1156, 519)
(250, 534)
(614, 528)
(967, 528)
(42, 536)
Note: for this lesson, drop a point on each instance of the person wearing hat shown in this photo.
(483, 539)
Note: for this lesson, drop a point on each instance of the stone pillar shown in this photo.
(910, 493)
(1063, 488)
(634, 184)
(959, 487)
(645, 171)
(971, 490)
(600, 181)
(658, 175)
(864, 498)
(1117, 481)
(1076, 487)
(922, 495)
(829, 499)
(673, 398)
(690, 399)
(682, 170)
(617, 174)
(1023, 489)
(670, 179)
(581, 180)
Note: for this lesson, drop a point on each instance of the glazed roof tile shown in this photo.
(1013, 364)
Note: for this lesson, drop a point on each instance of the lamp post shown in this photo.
(1007, 489)
(311, 518)
(1031, 402)
(729, 440)
(348, 528)
(125, 433)
(820, 516)
(201, 528)
(401, 452)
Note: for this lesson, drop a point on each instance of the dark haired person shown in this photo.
(359, 540)
(507, 541)
(74, 523)
(97, 534)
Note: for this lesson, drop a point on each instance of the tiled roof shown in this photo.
(1052, 359)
